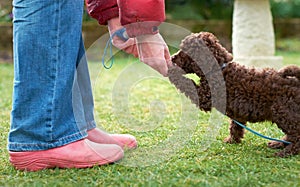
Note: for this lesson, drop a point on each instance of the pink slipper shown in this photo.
(123, 140)
(80, 154)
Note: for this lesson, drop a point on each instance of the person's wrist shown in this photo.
(142, 28)
(114, 24)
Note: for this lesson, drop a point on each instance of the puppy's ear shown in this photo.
(208, 38)
(197, 49)
(212, 42)
(191, 42)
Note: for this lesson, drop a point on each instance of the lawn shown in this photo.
(178, 145)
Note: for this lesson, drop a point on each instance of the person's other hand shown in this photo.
(153, 51)
(129, 46)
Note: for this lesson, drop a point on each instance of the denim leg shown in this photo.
(83, 102)
(47, 50)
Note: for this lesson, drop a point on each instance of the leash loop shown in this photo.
(121, 33)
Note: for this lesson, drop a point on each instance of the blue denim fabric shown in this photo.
(52, 98)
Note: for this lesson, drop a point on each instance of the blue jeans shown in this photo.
(52, 98)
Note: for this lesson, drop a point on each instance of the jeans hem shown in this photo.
(47, 145)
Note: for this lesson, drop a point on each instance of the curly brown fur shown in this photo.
(252, 95)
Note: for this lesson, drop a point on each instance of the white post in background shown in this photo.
(253, 38)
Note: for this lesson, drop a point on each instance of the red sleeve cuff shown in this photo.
(102, 10)
(108, 14)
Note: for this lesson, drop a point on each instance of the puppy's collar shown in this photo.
(223, 66)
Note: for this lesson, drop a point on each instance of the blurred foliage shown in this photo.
(285, 8)
(222, 9)
(194, 9)
(5, 11)
(199, 9)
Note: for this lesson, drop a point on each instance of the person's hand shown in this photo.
(151, 49)
(129, 46)
(154, 52)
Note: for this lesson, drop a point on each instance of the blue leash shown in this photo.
(260, 135)
(121, 33)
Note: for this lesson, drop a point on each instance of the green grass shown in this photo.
(150, 99)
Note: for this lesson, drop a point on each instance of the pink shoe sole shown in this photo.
(80, 154)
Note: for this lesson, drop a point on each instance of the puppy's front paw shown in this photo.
(232, 140)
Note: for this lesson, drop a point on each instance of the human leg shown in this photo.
(44, 124)
(46, 41)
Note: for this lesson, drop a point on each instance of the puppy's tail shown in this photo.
(290, 71)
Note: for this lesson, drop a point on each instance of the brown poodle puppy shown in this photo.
(251, 95)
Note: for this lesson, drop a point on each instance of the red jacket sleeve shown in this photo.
(102, 10)
(137, 16)
(141, 16)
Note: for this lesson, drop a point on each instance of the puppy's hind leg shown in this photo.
(236, 133)
(277, 145)
(291, 149)
(287, 118)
